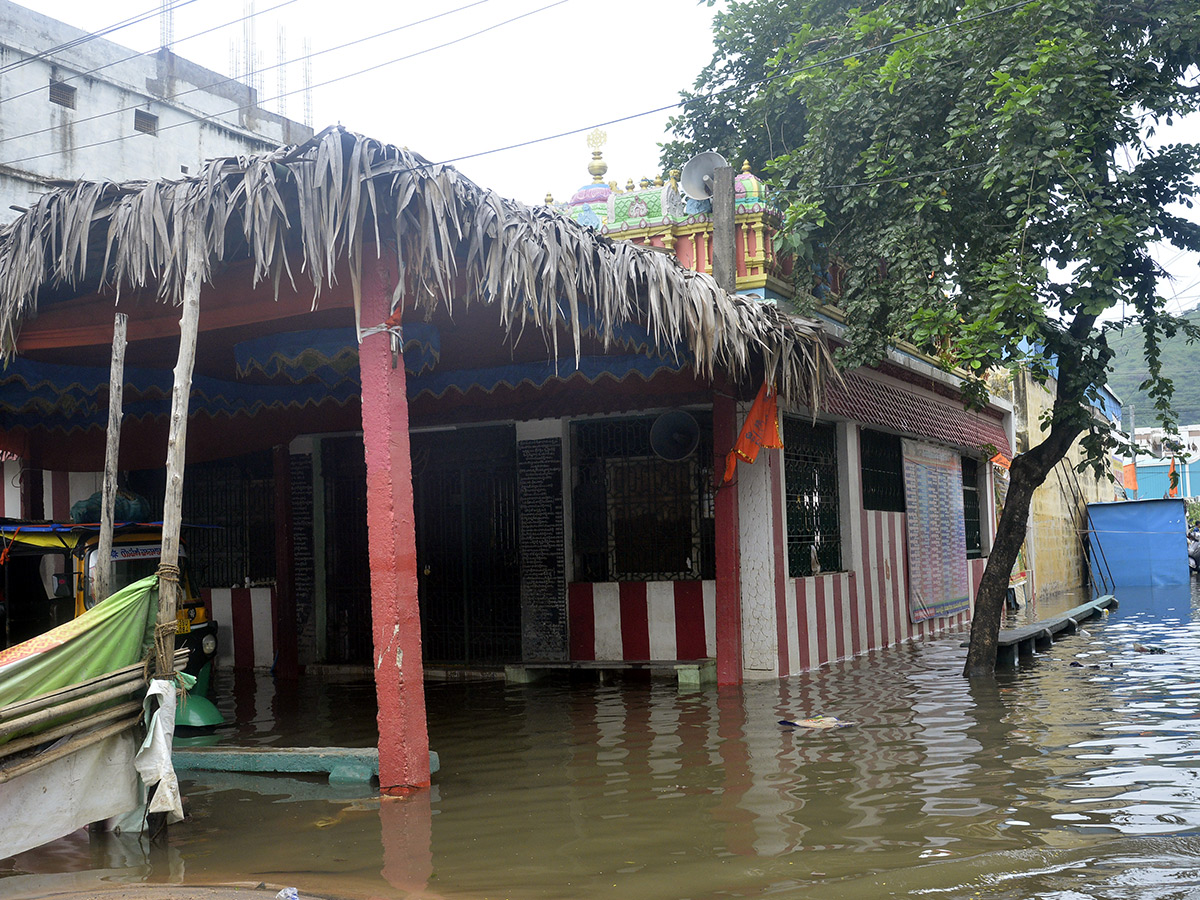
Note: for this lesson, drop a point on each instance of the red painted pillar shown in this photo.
(729, 559)
(287, 653)
(391, 536)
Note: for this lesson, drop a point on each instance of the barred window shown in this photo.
(971, 508)
(882, 471)
(62, 93)
(146, 123)
(814, 540)
(638, 517)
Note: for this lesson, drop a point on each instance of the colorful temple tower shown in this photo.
(655, 212)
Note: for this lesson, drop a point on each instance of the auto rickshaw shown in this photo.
(47, 576)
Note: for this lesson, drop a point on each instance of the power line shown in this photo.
(756, 83)
(219, 82)
(92, 35)
(819, 64)
(69, 78)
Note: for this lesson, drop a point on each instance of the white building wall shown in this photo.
(756, 540)
(201, 113)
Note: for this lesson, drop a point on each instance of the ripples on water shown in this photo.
(1073, 778)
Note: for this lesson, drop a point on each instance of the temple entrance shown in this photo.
(468, 564)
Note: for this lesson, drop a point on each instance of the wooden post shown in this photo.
(725, 430)
(392, 545)
(724, 261)
(168, 569)
(116, 389)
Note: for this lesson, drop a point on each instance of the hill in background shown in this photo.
(1180, 363)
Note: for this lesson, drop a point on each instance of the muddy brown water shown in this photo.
(1075, 777)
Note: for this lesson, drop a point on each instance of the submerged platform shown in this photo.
(345, 765)
(1015, 643)
(691, 673)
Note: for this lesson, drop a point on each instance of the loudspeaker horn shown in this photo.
(696, 179)
(674, 435)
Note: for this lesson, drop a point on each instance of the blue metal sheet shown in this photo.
(1138, 542)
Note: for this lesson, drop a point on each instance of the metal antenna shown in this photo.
(308, 92)
(166, 24)
(250, 77)
(281, 74)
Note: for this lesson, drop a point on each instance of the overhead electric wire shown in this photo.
(222, 81)
(755, 83)
(117, 62)
(521, 144)
(92, 35)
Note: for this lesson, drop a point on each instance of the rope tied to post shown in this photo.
(164, 632)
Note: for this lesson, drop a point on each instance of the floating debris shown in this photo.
(816, 722)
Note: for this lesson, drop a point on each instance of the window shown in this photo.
(882, 471)
(62, 93)
(814, 540)
(145, 122)
(971, 507)
(638, 517)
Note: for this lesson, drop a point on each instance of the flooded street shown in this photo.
(1075, 777)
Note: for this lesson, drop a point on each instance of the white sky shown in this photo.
(564, 65)
(573, 65)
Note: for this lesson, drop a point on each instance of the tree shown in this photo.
(987, 178)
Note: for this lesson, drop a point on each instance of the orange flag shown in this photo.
(761, 429)
(1130, 479)
(1173, 480)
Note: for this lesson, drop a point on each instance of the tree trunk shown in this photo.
(1029, 471)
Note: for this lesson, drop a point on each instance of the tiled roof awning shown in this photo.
(885, 405)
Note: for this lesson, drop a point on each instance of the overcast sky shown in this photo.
(562, 65)
(492, 74)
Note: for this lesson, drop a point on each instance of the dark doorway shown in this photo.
(347, 564)
(468, 565)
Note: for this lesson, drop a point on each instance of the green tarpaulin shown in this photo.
(112, 634)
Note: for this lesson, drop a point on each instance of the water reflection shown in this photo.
(1074, 776)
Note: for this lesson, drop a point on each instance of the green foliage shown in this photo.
(980, 172)
(740, 106)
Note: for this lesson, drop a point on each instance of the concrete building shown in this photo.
(97, 110)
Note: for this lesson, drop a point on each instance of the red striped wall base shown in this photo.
(637, 620)
(245, 620)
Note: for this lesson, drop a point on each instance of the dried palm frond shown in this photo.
(341, 195)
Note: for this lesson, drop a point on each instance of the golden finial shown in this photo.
(549, 199)
(673, 175)
(629, 186)
(746, 166)
(597, 167)
(645, 183)
(658, 180)
(612, 186)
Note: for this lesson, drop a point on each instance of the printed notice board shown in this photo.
(937, 537)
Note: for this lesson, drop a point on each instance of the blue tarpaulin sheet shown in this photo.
(1138, 542)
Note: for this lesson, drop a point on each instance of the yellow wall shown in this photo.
(1056, 516)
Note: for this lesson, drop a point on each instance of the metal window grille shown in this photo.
(146, 123)
(237, 495)
(971, 508)
(62, 93)
(814, 539)
(882, 471)
(639, 517)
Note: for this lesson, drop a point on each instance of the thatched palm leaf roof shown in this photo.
(342, 195)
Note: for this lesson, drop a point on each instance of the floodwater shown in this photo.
(1075, 777)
